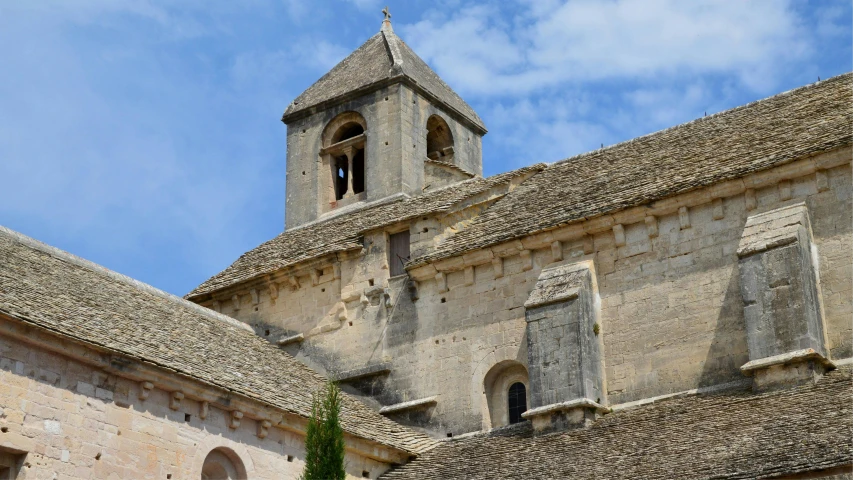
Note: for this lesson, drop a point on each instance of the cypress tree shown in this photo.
(324, 442)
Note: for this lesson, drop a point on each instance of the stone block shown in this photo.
(565, 360)
(779, 283)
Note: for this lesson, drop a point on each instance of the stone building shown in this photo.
(674, 306)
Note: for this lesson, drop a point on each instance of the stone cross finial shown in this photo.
(387, 14)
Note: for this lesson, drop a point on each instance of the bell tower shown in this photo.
(380, 125)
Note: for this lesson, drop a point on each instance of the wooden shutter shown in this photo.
(398, 253)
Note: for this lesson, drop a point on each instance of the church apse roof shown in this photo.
(79, 300)
(382, 60)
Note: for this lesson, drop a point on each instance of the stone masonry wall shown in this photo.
(396, 120)
(671, 311)
(79, 422)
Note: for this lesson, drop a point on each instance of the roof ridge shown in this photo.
(753, 103)
(113, 275)
(393, 48)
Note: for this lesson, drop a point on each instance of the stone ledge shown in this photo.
(410, 405)
(364, 372)
(559, 283)
(298, 338)
(563, 406)
(785, 359)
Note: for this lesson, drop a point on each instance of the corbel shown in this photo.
(619, 235)
(216, 306)
(413, 290)
(255, 297)
(236, 416)
(498, 266)
(145, 389)
(684, 217)
(556, 251)
(652, 226)
(336, 268)
(235, 301)
(441, 282)
(364, 300)
(526, 260)
(273, 291)
(749, 199)
(263, 428)
(342, 312)
(718, 212)
(821, 180)
(175, 400)
(294, 282)
(785, 190)
(315, 277)
(469, 275)
(203, 409)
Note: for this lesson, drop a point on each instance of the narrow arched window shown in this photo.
(517, 402)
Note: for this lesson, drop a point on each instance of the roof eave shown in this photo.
(292, 114)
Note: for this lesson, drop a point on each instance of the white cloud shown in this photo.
(551, 43)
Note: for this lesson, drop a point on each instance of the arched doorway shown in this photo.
(223, 464)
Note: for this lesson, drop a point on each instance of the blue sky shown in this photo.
(145, 136)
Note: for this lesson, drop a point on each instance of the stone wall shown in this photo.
(671, 309)
(68, 419)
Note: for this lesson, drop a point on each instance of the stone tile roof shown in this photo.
(343, 232)
(709, 150)
(382, 60)
(727, 435)
(54, 290)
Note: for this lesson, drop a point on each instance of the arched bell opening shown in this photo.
(344, 148)
(439, 139)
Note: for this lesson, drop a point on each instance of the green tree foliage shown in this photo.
(324, 443)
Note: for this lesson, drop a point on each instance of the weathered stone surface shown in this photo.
(565, 361)
(780, 284)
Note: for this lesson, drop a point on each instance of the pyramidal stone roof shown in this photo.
(53, 290)
(384, 59)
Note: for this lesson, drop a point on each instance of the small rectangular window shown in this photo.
(398, 254)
